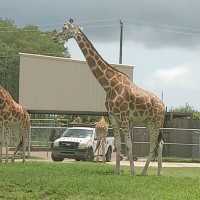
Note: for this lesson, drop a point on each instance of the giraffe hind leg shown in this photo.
(154, 145)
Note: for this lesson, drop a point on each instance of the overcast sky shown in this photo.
(161, 39)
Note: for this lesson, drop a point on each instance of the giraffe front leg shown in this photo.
(130, 149)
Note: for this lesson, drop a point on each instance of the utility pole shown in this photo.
(162, 96)
(121, 40)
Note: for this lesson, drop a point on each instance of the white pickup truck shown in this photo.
(79, 143)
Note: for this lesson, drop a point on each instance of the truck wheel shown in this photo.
(55, 158)
(90, 155)
(109, 154)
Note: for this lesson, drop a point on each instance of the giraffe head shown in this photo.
(69, 30)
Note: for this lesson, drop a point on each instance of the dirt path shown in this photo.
(46, 156)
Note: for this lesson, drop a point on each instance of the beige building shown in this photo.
(53, 84)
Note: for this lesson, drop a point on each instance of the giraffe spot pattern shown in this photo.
(91, 62)
(85, 52)
(109, 73)
(124, 107)
(113, 94)
(103, 81)
(114, 82)
(119, 89)
(91, 52)
(119, 101)
(81, 45)
(79, 38)
(97, 72)
(103, 66)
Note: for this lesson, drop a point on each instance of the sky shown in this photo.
(161, 38)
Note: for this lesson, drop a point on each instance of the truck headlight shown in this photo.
(82, 146)
(56, 144)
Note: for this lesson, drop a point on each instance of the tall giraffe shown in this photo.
(126, 103)
(11, 113)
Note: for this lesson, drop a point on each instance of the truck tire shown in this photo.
(90, 155)
(109, 154)
(55, 158)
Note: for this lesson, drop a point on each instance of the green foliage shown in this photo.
(28, 39)
(82, 180)
(188, 109)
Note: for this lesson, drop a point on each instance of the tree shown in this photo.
(188, 109)
(28, 39)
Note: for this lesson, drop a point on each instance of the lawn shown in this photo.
(82, 180)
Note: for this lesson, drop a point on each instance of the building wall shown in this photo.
(60, 84)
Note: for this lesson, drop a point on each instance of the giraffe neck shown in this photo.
(104, 73)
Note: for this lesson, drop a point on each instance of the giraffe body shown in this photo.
(12, 115)
(126, 103)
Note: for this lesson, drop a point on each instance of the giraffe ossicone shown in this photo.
(126, 103)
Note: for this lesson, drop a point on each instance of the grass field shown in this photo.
(82, 180)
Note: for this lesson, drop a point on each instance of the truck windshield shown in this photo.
(77, 133)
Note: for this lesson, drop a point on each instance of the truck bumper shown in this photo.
(67, 153)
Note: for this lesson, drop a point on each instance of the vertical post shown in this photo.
(162, 96)
(121, 41)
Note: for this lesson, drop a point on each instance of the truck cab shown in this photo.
(79, 143)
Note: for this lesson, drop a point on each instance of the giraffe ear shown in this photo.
(81, 28)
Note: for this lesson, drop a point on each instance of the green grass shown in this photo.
(85, 181)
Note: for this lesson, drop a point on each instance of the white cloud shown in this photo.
(176, 75)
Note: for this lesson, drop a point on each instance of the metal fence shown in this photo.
(178, 142)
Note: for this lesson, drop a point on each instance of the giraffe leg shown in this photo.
(97, 150)
(150, 157)
(116, 129)
(153, 134)
(118, 152)
(160, 148)
(130, 152)
(103, 149)
(23, 147)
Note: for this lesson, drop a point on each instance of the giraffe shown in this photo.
(127, 104)
(12, 113)
(101, 133)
